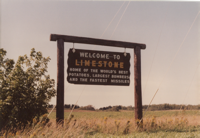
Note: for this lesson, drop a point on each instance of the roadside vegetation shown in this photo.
(112, 124)
(25, 92)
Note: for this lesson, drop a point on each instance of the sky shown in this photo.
(169, 29)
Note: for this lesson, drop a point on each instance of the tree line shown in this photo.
(154, 107)
(167, 106)
(68, 106)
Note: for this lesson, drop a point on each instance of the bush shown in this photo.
(25, 90)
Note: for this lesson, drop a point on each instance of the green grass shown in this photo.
(172, 113)
(96, 115)
(128, 115)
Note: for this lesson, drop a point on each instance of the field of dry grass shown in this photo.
(121, 124)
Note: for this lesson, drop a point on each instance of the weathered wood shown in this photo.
(60, 82)
(103, 42)
(137, 85)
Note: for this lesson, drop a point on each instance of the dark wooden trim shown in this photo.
(94, 41)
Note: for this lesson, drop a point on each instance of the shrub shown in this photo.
(25, 90)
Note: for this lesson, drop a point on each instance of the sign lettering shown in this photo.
(98, 67)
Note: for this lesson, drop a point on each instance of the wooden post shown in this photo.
(137, 79)
(60, 82)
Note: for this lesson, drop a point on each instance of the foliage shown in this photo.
(88, 107)
(116, 108)
(25, 89)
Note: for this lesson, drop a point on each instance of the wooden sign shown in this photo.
(98, 67)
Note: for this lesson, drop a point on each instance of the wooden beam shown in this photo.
(94, 41)
(60, 82)
(137, 85)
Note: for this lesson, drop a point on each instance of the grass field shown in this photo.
(100, 124)
(125, 114)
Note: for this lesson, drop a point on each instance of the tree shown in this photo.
(88, 107)
(25, 89)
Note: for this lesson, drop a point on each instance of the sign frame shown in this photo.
(101, 42)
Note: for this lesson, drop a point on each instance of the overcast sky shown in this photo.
(170, 30)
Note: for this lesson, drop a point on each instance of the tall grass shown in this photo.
(100, 124)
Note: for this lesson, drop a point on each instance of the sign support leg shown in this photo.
(137, 85)
(60, 82)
